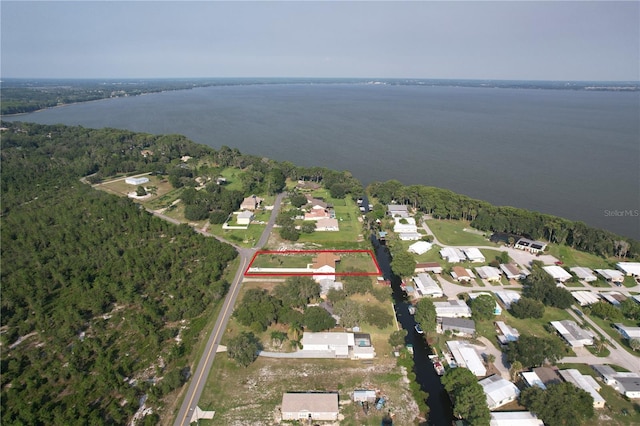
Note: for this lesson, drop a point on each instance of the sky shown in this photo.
(507, 40)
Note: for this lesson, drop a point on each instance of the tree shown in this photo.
(297, 291)
(527, 308)
(297, 200)
(318, 319)
(257, 307)
(635, 344)
(606, 311)
(426, 315)
(403, 264)
(289, 232)
(244, 348)
(397, 338)
(560, 404)
(540, 286)
(533, 351)
(308, 227)
(516, 368)
(482, 307)
(378, 316)
(356, 284)
(630, 309)
(140, 191)
(469, 399)
(349, 311)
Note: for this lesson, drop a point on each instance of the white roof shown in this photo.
(630, 331)
(499, 391)
(507, 297)
(558, 273)
(427, 286)
(488, 272)
(452, 254)
(333, 339)
(420, 247)
(572, 333)
(583, 273)
(514, 418)
(585, 298)
(510, 333)
(246, 214)
(452, 308)
(409, 236)
(473, 254)
(611, 274)
(574, 376)
(466, 356)
(629, 268)
(532, 379)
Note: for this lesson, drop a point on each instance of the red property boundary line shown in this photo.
(294, 274)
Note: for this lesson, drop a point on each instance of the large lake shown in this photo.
(572, 153)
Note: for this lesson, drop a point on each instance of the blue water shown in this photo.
(572, 153)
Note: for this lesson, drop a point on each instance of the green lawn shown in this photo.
(572, 257)
(350, 233)
(612, 334)
(452, 232)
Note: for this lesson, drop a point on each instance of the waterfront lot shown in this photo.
(457, 233)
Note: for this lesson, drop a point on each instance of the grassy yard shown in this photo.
(612, 334)
(349, 221)
(452, 232)
(532, 326)
(571, 257)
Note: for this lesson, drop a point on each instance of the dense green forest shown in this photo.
(445, 204)
(109, 299)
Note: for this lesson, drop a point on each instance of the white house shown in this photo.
(488, 273)
(399, 210)
(514, 418)
(572, 333)
(420, 247)
(429, 267)
(506, 333)
(586, 383)
(507, 297)
(473, 254)
(585, 274)
(499, 391)
(244, 217)
(327, 225)
(585, 298)
(426, 286)
(627, 332)
(629, 268)
(530, 245)
(136, 180)
(558, 273)
(611, 275)
(466, 356)
(452, 309)
(404, 224)
(310, 406)
(453, 255)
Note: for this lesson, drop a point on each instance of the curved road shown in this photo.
(199, 378)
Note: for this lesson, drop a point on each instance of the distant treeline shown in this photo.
(22, 96)
(445, 204)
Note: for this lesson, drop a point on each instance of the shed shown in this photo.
(361, 395)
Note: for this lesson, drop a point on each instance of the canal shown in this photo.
(440, 411)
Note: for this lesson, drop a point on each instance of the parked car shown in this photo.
(419, 329)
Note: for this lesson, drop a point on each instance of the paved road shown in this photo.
(199, 378)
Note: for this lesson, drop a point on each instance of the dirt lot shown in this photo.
(257, 390)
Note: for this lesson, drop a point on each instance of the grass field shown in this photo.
(452, 232)
(571, 257)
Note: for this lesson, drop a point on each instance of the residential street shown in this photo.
(199, 378)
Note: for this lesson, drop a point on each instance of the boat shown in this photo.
(437, 365)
